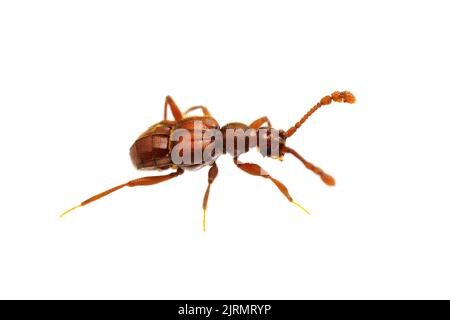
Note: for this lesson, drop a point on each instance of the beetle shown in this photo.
(192, 142)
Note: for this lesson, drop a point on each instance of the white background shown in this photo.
(79, 81)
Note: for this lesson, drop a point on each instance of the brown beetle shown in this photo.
(192, 142)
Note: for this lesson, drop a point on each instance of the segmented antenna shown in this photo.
(337, 96)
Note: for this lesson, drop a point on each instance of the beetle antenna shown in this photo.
(326, 178)
(337, 96)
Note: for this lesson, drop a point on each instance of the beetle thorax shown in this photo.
(238, 138)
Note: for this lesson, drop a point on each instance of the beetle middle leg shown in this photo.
(212, 174)
(258, 123)
(205, 110)
(256, 170)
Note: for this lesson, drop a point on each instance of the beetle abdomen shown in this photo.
(152, 149)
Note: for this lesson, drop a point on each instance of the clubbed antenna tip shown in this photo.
(337, 96)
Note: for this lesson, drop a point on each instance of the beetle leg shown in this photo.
(212, 174)
(173, 108)
(256, 170)
(145, 181)
(258, 123)
(205, 111)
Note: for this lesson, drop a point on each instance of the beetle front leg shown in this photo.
(258, 123)
(256, 170)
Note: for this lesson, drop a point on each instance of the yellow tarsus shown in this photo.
(204, 220)
(301, 207)
(70, 210)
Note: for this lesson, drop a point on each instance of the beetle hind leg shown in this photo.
(145, 181)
